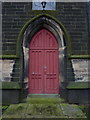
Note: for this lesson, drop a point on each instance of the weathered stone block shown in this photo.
(6, 69)
(80, 68)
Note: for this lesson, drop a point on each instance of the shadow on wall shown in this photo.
(69, 76)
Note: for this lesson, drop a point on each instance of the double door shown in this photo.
(43, 65)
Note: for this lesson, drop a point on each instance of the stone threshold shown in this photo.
(44, 95)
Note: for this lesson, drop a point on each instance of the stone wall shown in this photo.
(14, 16)
(72, 15)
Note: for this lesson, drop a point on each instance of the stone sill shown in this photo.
(78, 85)
(79, 56)
(9, 85)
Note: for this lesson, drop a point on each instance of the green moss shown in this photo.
(79, 56)
(78, 85)
(44, 100)
(69, 56)
(8, 56)
(72, 110)
(83, 107)
(86, 110)
(28, 111)
(44, 111)
(15, 111)
(47, 110)
(3, 108)
(9, 85)
(51, 12)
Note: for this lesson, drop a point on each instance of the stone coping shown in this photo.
(78, 85)
(9, 85)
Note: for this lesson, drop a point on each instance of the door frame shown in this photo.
(54, 28)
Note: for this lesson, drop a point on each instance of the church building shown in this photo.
(45, 50)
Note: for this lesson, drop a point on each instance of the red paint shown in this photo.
(43, 64)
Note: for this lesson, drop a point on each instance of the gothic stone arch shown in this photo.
(50, 24)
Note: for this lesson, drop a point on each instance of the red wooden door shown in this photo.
(43, 64)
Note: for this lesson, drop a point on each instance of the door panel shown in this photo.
(51, 71)
(36, 71)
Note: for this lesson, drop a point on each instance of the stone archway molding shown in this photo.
(57, 28)
(66, 34)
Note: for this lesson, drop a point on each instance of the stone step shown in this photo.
(44, 111)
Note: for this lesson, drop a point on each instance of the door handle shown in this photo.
(45, 67)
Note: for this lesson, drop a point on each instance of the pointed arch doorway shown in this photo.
(43, 63)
